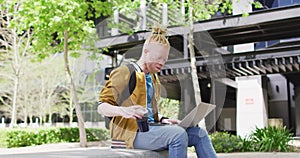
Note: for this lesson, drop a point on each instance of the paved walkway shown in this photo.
(96, 150)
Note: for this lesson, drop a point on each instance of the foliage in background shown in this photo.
(169, 107)
(14, 48)
(38, 90)
(224, 142)
(58, 26)
(267, 139)
(30, 137)
(3, 138)
(271, 138)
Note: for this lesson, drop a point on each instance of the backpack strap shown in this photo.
(130, 86)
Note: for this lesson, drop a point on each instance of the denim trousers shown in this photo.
(176, 139)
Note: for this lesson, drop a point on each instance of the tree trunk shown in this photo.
(193, 64)
(14, 103)
(16, 67)
(40, 120)
(44, 119)
(71, 115)
(50, 119)
(30, 119)
(25, 118)
(70, 111)
(82, 133)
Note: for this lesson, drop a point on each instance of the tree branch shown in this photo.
(3, 51)
(6, 43)
(6, 76)
(27, 42)
(4, 102)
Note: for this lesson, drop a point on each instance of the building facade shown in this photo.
(247, 66)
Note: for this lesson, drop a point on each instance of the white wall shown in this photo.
(251, 105)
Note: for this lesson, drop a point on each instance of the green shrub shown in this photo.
(94, 134)
(47, 136)
(3, 138)
(69, 134)
(169, 107)
(29, 137)
(247, 145)
(224, 142)
(270, 139)
(19, 138)
(267, 139)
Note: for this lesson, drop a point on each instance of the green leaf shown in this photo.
(75, 54)
(257, 4)
(245, 14)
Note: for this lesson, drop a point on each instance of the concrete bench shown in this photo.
(131, 153)
(106, 151)
(73, 150)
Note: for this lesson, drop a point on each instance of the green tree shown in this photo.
(38, 93)
(62, 26)
(46, 77)
(59, 26)
(14, 47)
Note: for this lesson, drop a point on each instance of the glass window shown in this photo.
(96, 117)
(269, 3)
(296, 1)
(275, 4)
(285, 2)
(271, 43)
(259, 45)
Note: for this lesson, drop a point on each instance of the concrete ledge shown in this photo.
(130, 153)
(91, 152)
(70, 150)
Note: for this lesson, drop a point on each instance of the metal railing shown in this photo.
(140, 19)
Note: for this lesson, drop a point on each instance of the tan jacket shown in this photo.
(122, 128)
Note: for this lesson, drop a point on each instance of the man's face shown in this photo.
(155, 56)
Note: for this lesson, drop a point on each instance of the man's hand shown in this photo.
(135, 111)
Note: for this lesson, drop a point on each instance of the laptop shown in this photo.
(196, 115)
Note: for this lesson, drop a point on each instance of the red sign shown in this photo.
(249, 101)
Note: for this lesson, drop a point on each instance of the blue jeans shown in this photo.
(176, 140)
